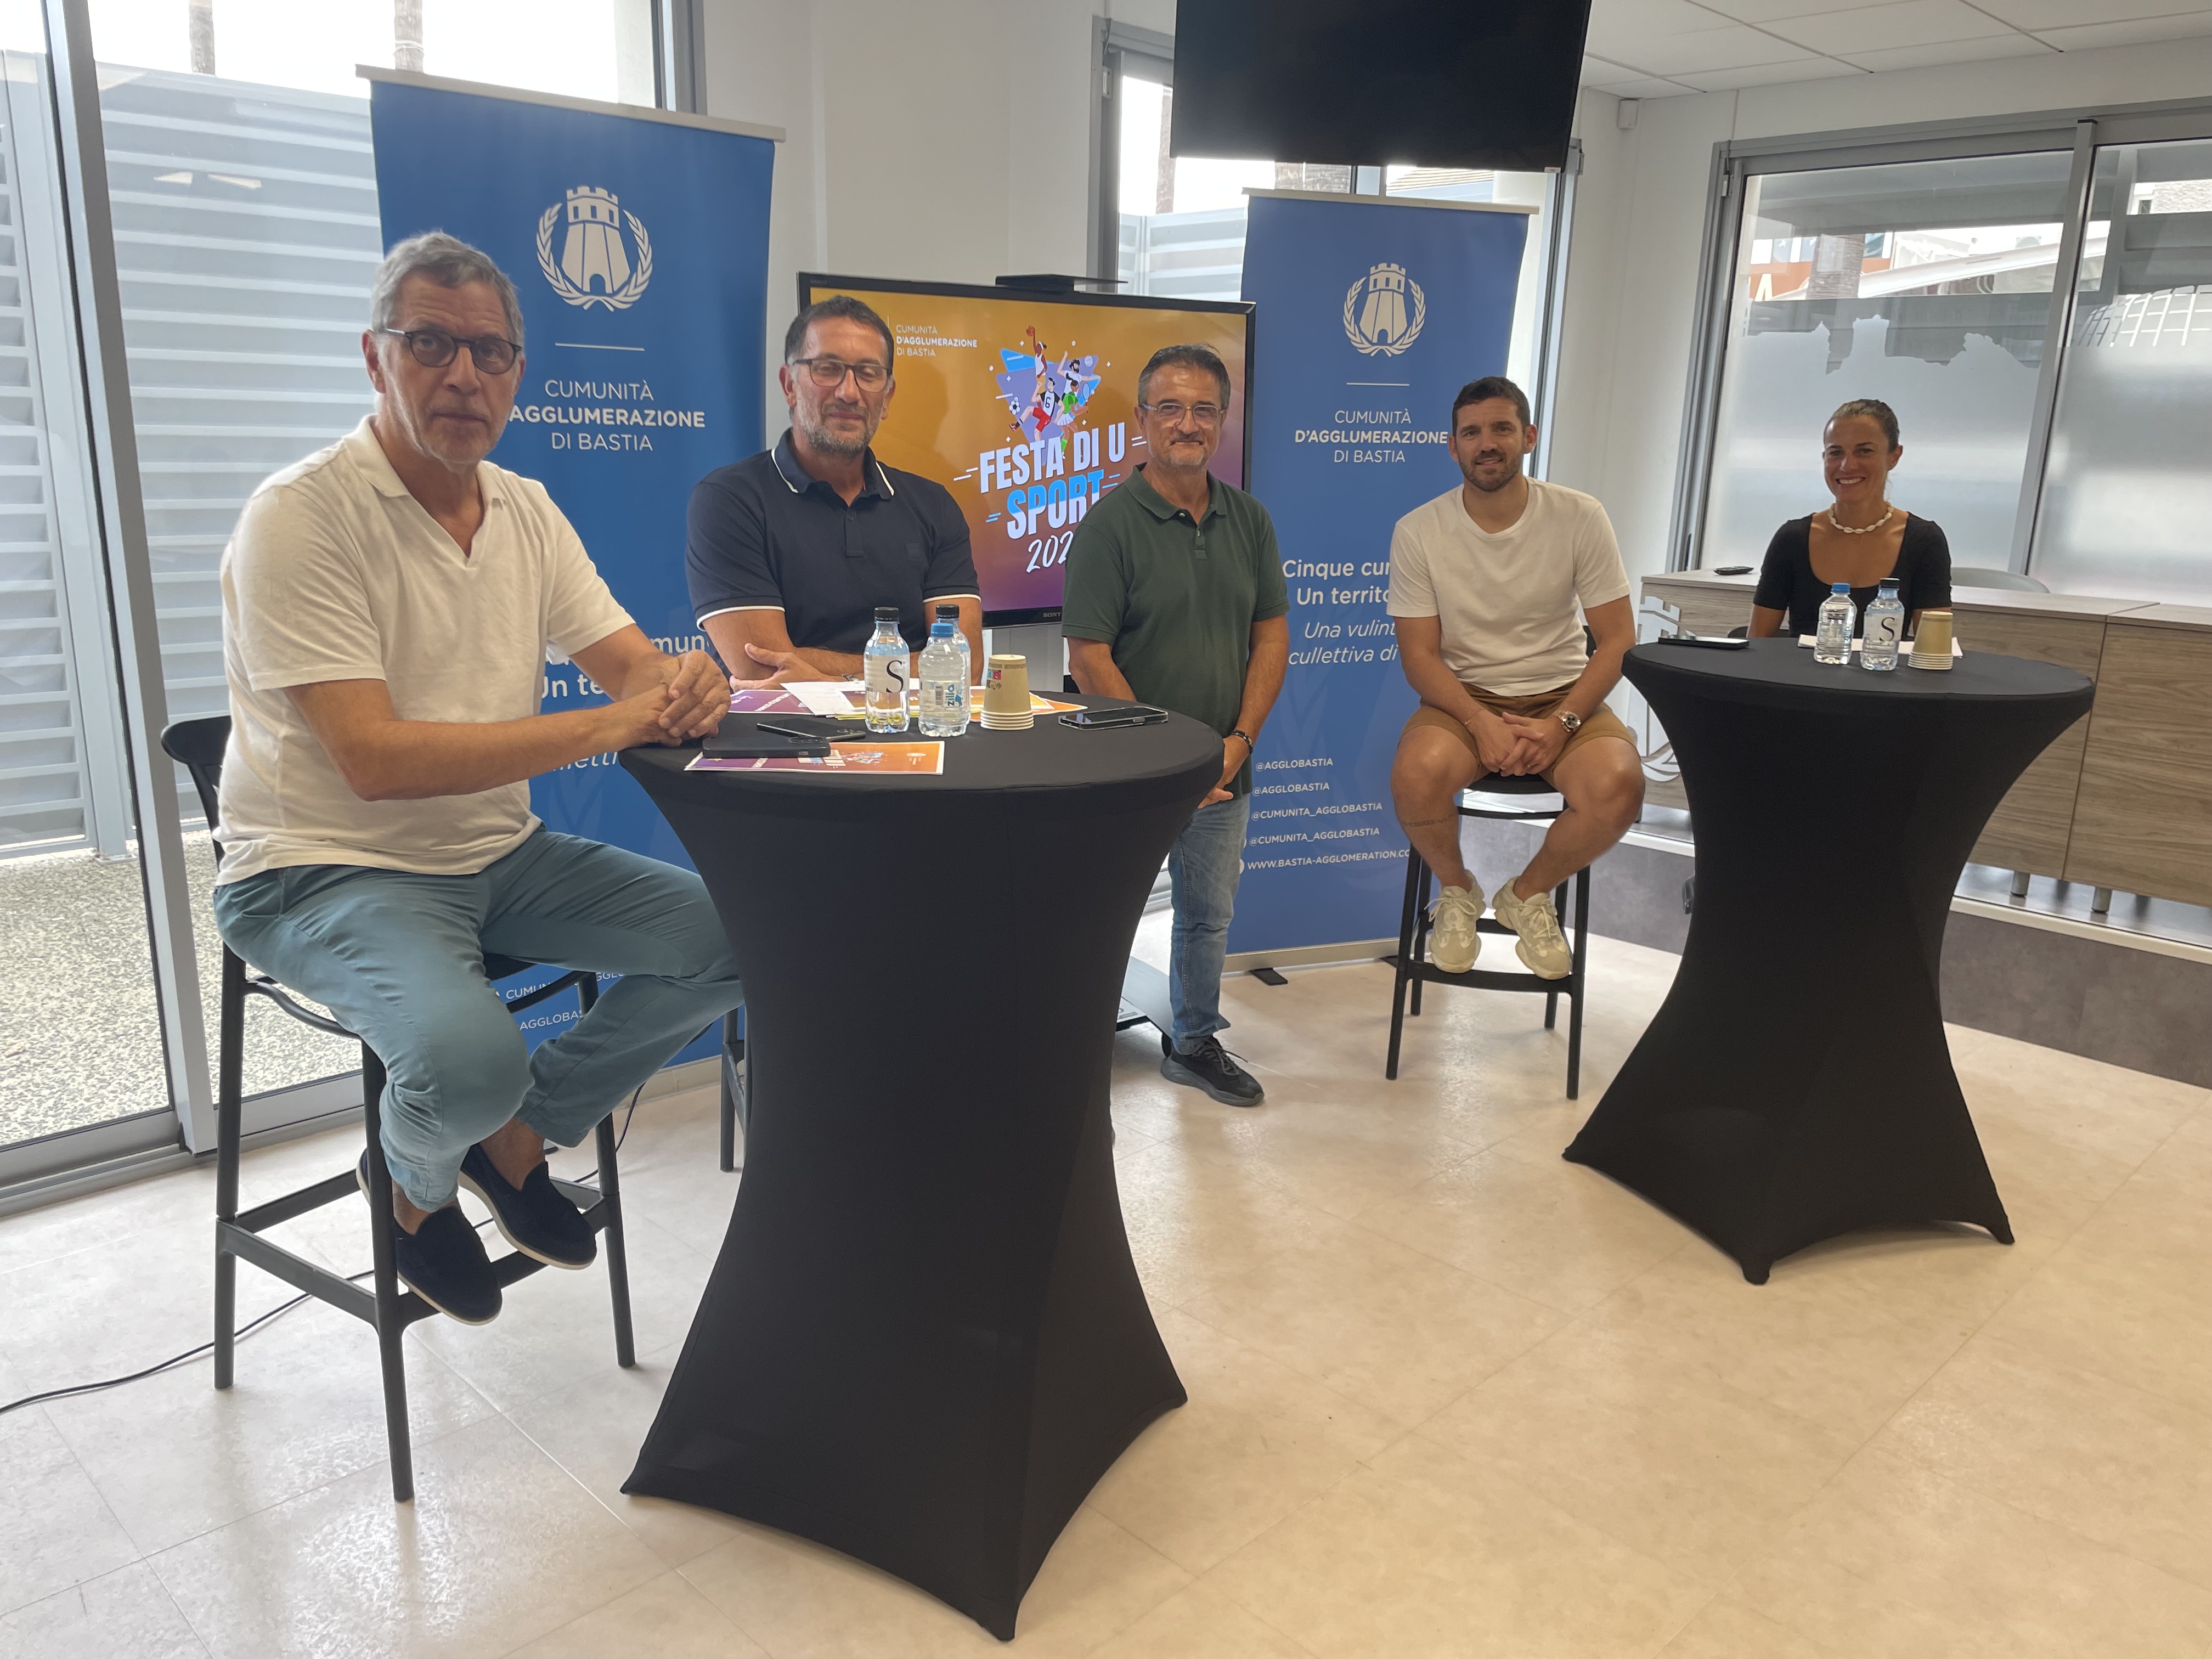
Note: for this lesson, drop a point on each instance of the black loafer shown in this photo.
(1210, 1067)
(442, 1262)
(533, 1218)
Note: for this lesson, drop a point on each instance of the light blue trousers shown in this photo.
(398, 958)
(1203, 866)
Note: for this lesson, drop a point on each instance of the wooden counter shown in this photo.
(2123, 798)
(2143, 820)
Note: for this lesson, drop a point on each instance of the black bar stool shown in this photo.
(1414, 970)
(737, 1096)
(198, 745)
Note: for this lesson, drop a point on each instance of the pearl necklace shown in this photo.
(1859, 530)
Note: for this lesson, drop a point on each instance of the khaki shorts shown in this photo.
(1601, 723)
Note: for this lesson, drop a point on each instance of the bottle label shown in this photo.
(886, 675)
(1884, 631)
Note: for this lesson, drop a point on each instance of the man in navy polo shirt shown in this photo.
(789, 552)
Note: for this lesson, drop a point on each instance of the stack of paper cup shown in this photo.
(1006, 694)
(1931, 648)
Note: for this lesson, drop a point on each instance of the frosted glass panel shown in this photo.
(2128, 488)
(1927, 285)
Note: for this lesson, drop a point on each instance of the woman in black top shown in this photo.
(1860, 539)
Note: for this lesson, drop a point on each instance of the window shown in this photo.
(1927, 285)
(2127, 489)
(2037, 306)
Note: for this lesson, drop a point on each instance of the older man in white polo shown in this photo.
(389, 605)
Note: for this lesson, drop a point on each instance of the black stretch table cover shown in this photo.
(1796, 1084)
(925, 1340)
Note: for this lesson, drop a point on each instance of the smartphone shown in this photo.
(812, 728)
(1111, 714)
(747, 740)
(1709, 642)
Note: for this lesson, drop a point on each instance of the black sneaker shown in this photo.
(442, 1262)
(533, 1218)
(1209, 1067)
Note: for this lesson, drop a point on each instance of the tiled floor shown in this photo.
(1449, 1395)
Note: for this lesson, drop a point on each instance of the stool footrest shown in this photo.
(320, 1283)
(1485, 979)
(292, 1206)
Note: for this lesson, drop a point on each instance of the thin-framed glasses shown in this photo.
(830, 372)
(1204, 414)
(434, 348)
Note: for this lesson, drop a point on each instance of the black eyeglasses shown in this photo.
(434, 348)
(829, 373)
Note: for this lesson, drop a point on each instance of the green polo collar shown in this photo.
(1160, 507)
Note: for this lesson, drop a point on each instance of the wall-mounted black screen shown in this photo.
(1376, 82)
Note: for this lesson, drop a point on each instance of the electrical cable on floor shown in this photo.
(282, 1307)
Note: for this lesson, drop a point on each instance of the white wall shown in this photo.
(1633, 265)
(947, 140)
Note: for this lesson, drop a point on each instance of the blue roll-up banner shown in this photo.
(1372, 314)
(638, 243)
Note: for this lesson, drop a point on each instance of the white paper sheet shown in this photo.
(824, 696)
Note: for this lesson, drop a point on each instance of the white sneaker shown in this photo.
(1542, 948)
(1453, 943)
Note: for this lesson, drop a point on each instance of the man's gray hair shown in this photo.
(448, 261)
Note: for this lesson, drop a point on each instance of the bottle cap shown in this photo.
(1888, 585)
(886, 613)
(1838, 587)
(948, 613)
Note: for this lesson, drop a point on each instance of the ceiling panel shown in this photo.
(1765, 11)
(2141, 32)
(1648, 87)
(1766, 75)
(1731, 46)
(1951, 52)
(2041, 14)
(1662, 48)
(1904, 23)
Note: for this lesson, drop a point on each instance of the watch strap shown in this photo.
(1247, 736)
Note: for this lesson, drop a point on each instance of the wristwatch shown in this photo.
(1571, 720)
(1247, 736)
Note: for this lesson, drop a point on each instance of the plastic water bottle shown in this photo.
(885, 698)
(945, 677)
(1832, 643)
(1882, 627)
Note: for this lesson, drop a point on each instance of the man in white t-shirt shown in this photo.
(389, 606)
(1490, 585)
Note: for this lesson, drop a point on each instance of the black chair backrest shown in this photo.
(198, 746)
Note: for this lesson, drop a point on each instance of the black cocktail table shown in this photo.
(1796, 1084)
(925, 1340)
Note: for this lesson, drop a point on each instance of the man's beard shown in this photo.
(422, 431)
(1512, 471)
(828, 441)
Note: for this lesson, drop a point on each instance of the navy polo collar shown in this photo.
(1159, 505)
(798, 480)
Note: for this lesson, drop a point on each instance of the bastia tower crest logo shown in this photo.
(1383, 311)
(596, 265)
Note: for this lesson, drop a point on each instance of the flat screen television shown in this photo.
(1432, 82)
(1022, 402)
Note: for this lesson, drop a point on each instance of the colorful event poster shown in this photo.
(1024, 406)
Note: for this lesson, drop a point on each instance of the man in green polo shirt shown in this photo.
(1176, 598)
